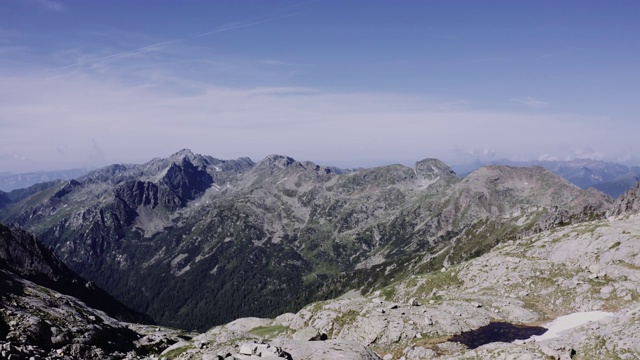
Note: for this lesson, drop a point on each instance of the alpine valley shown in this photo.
(389, 262)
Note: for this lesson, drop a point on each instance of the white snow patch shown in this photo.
(569, 322)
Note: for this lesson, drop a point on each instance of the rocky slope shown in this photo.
(40, 319)
(579, 270)
(195, 241)
(24, 256)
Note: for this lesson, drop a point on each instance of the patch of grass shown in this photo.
(614, 245)
(591, 228)
(309, 279)
(172, 354)
(343, 319)
(316, 307)
(388, 293)
(437, 280)
(431, 342)
(269, 332)
(628, 266)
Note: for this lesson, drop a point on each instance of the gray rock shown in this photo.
(307, 334)
(325, 350)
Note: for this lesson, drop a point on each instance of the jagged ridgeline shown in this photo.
(195, 241)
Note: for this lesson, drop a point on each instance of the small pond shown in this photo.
(497, 332)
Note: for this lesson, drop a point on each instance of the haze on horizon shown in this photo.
(344, 83)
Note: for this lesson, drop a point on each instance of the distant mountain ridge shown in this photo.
(611, 178)
(196, 241)
(9, 182)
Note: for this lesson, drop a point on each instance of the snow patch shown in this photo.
(569, 322)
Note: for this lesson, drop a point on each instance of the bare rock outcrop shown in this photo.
(628, 203)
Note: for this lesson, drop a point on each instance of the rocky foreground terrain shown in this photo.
(594, 266)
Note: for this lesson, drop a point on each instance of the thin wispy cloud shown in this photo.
(530, 101)
(5, 50)
(272, 16)
(242, 24)
(274, 62)
(444, 36)
(99, 61)
(384, 85)
(554, 54)
(50, 5)
(230, 122)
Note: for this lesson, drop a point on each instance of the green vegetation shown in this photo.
(173, 354)
(269, 332)
(346, 318)
(388, 292)
(437, 280)
(598, 348)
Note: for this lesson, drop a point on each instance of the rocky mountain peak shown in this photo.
(431, 168)
(185, 156)
(183, 153)
(186, 179)
(280, 161)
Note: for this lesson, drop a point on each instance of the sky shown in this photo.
(344, 83)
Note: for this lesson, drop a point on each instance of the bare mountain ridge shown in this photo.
(9, 182)
(610, 178)
(203, 241)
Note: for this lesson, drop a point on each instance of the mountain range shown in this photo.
(195, 241)
(410, 262)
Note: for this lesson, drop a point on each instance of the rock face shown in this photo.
(196, 241)
(628, 203)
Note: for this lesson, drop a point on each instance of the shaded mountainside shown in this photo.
(49, 312)
(619, 185)
(23, 255)
(195, 241)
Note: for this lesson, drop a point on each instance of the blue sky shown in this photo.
(346, 83)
